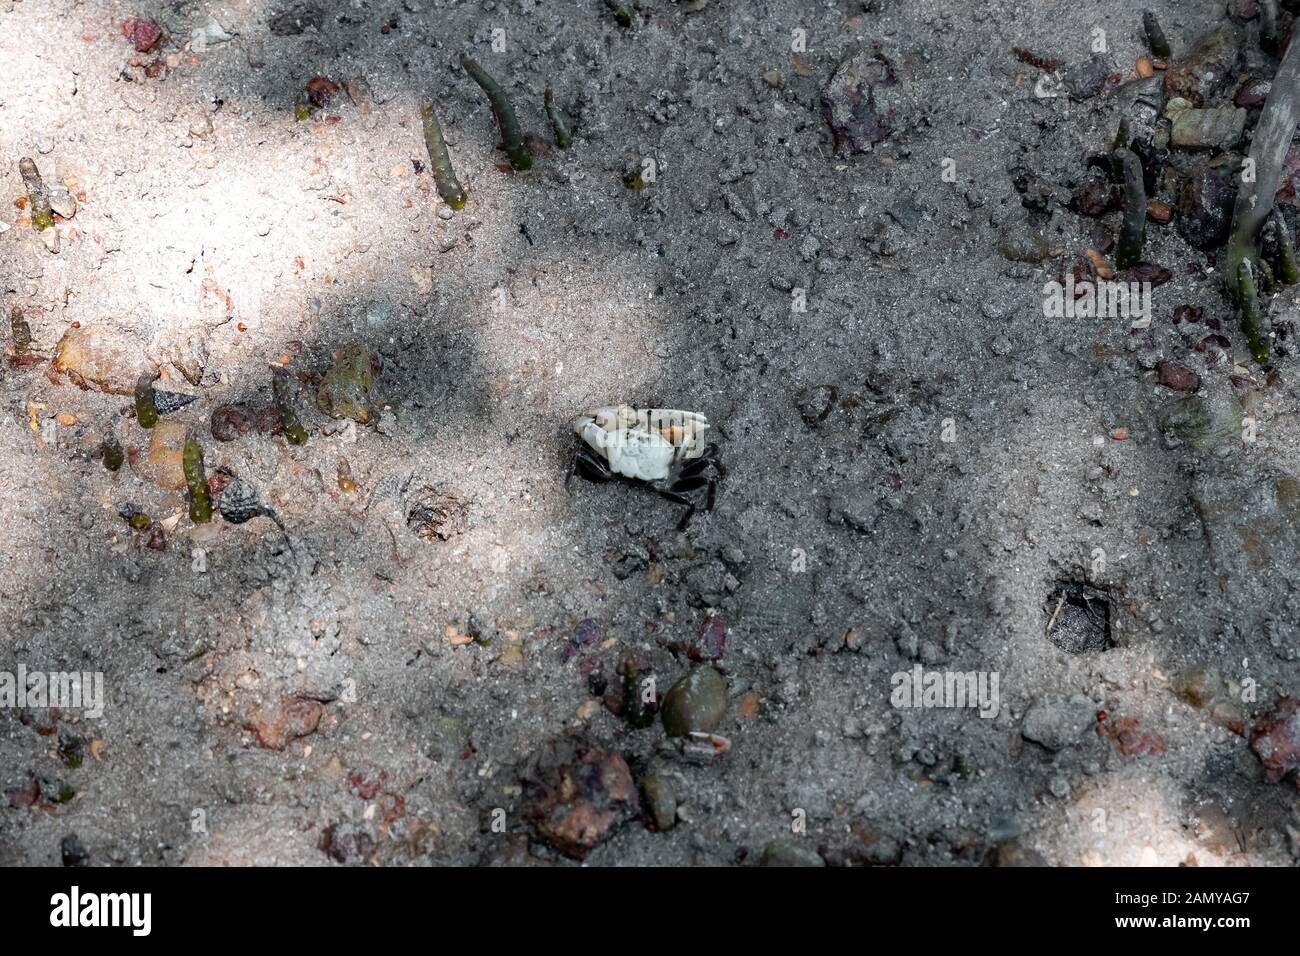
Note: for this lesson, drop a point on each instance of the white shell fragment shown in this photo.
(63, 202)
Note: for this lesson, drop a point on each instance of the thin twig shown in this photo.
(1059, 604)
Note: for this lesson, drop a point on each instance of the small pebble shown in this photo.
(63, 203)
(696, 703)
(789, 853)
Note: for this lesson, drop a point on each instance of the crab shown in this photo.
(661, 449)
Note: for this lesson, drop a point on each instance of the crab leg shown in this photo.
(680, 500)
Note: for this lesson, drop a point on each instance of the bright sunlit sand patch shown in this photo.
(1131, 817)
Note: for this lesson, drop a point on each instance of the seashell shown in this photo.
(168, 402)
(240, 503)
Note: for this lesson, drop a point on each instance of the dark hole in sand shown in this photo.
(437, 512)
(1082, 618)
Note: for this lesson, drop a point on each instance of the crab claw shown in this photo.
(683, 430)
(608, 417)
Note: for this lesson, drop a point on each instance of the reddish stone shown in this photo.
(1132, 740)
(1177, 377)
(576, 795)
(25, 796)
(346, 843)
(1146, 272)
(712, 643)
(366, 786)
(288, 720)
(1275, 739)
(391, 806)
(321, 90)
(231, 421)
(144, 33)
(1095, 196)
(156, 540)
(1252, 93)
(849, 103)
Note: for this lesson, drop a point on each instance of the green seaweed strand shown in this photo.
(196, 482)
(557, 120)
(1251, 323)
(1268, 149)
(636, 710)
(1285, 271)
(1133, 231)
(1265, 283)
(20, 331)
(114, 454)
(146, 412)
(1268, 35)
(449, 188)
(520, 158)
(284, 392)
(621, 13)
(1123, 140)
(1156, 38)
(37, 195)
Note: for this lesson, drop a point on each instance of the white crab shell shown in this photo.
(643, 443)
